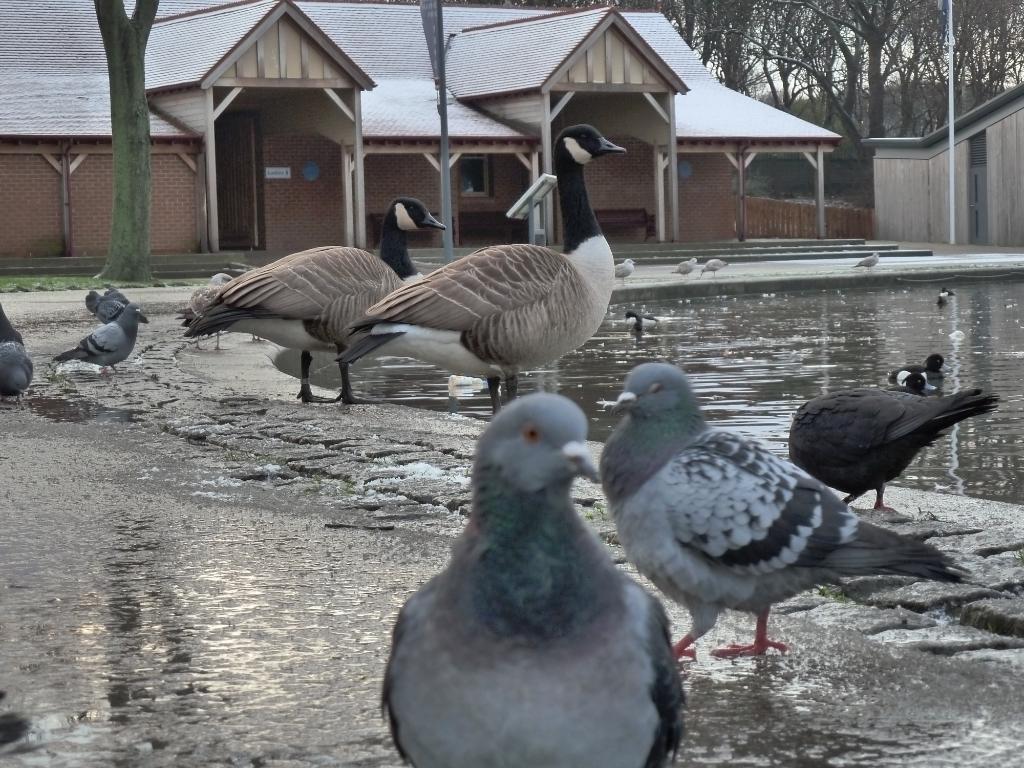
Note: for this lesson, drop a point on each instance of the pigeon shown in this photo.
(944, 294)
(712, 266)
(109, 344)
(686, 267)
(625, 268)
(15, 364)
(108, 306)
(12, 725)
(868, 261)
(717, 521)
(913, 382)
(201, 299)
(857, 440)
(531, 648)
(640, 321)
(932, 368)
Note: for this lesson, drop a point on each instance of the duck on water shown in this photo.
(506, 307)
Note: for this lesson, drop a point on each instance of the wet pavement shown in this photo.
(196, 570)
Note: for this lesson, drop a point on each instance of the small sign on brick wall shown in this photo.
(277, 172)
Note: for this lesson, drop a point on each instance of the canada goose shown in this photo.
(201, 299)
(857, 440)
(686, 267)
(308, 300)
(868, 261)
(944, 294)
(712, 266)
(507, 307)
(625, 268)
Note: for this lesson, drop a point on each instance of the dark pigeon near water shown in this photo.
(15, 364)
(531, 648)
(857, 440)
(108, 306)
(717, 521)
(932, 368)
(109, 344)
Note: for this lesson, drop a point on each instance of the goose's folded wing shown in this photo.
(487, 282)
(303, 284)
(746, 509)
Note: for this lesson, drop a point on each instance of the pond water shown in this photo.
(754, 360)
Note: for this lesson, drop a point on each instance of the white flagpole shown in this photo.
(952, 131)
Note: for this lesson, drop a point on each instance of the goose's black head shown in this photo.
(579, 144)
(410, 214)
(933, 363)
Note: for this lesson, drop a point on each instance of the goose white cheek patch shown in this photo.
(579, 154)
(405, 221)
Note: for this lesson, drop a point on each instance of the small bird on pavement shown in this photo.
(857, 440)
(109, 344)
(868, 261)
(200, 301)
(944, 294)
(531, 648)
(712, 266)
(625, 268)
(686, 267)
(717, 521)
(107, 306)
(15, 364)
(932, 368)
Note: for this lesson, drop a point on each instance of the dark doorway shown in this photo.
(239, 202)
(977, 179)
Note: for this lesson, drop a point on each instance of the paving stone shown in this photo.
(865, 619)
(1002, 616)
(948, 639)
(1001, 572)
(923, 596)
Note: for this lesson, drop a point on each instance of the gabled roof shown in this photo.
(187, 50)
(525, 55)
(407, 109)
(716, 112)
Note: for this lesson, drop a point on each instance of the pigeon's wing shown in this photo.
(741, 506)
(108, 310)
(104, 340)
(666, 690)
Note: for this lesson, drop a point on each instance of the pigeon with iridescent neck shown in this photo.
(531, 648)
(15, 364)
(717, 521)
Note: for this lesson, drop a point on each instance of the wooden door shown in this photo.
(238, 199)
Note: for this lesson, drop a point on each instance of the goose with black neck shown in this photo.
(506, 308)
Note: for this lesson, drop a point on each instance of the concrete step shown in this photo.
(753, 252)
(747, 258)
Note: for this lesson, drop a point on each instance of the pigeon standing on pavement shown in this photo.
(15, 364)
(712, 266)
(109, 344)
(868, 261)
(686, 267)
(201, 299)
(531, 648)
(857, 440)
(717, 521)
(624, 269)
(107, 306)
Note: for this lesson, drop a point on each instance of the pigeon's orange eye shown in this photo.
(655, 387)
(531, 434)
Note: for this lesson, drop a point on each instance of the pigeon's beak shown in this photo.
(624, 403)
(607, 148)
(431, 222)
(143, 318)
(579, 459)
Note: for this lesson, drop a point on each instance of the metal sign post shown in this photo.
(528, 206)
(433, 29)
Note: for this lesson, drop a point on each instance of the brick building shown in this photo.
(283, 124)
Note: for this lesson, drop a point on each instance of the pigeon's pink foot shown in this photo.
(754, 649)
(684, 649)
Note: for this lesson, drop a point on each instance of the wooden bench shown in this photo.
(626, 221)
(490, 227)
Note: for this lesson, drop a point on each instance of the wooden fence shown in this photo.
(781, 218)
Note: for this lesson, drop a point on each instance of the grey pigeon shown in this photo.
(625, 268)
(531, 648)
(108, 306)
(868, 261)
(111, 343)
(712, 266)
(717, 521)
(857, 440)
(686, 267)
(15, 364)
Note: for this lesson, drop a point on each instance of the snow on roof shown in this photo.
(69, 105)
(713, 111)
(408, 109)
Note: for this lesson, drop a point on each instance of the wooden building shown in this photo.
(912, 178)
(283, 124)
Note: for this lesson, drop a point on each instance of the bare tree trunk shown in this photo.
(876, 87)
(124, 40)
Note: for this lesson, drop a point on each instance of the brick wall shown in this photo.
(707, 201)
(302, 214)
(30, 196)
(406, 175)
(30, 201)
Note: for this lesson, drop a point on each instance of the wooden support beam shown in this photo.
(732, 160)
(433, 161)
(346, 183)
(659, 193)
(560, 105)
(741, 197)
(810, 159)
(657, 107)
(673, 167)
(545, 143)
(749, 159)
(340, 103)
(226, 101)
(77, 162)
(54, 162)
(524, 160)
(181, 156)
(453, 158)
(360, 175)
(210, 141)
(819, 193)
